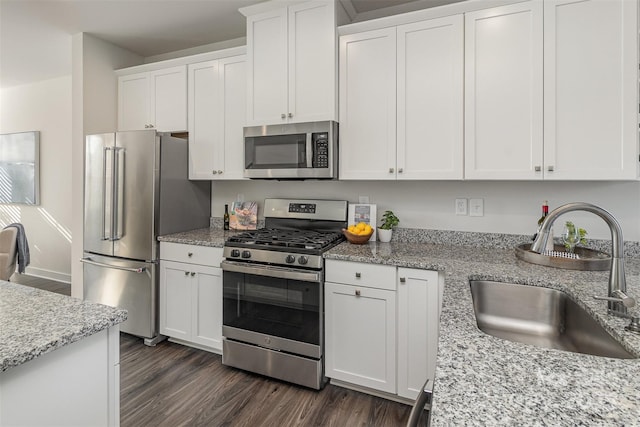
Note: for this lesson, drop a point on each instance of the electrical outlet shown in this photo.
(461, 206)
(476, 207)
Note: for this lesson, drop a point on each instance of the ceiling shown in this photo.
(35, 35)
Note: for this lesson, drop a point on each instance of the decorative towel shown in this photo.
(23, 247)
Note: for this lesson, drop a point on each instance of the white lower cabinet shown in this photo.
(361, 335)
(381, 326)
(418, 298)
(191, 295)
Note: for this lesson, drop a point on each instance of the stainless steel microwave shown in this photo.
(291, 151)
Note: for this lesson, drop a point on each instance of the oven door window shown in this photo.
(273, 306)
(276, 152)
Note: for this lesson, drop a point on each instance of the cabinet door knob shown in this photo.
(186, 273)
(391, 170)
(537, 168)
(214, 172)
(189, 254)
(358, 275)
(550, 168)
(402, 280)
(283, 116)
(193, 273)
(219, 172)
(290, 115)
(400, 170)
(357, 292)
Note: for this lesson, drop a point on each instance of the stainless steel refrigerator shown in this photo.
(136, 188)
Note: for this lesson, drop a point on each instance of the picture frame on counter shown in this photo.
(363, 212)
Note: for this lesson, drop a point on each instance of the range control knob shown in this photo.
(246, 254)
(235, 253)
(290, 259)
(303, 260)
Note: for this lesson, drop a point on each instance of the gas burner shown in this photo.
(284, 238)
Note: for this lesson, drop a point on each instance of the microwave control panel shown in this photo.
(320, 142)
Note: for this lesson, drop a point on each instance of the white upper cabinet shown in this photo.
(368, 105)
(401, 102)
(551, 91)
(591, 89)
(217, 106)
(503, 92)
(155, 99)
(430, 80)
(291, 63)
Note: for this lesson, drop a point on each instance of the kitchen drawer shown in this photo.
(361, 274)
(191, 254)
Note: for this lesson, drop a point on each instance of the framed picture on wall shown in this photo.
(20, 168)
(363, 212)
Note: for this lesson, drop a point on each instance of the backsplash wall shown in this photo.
(509, 207)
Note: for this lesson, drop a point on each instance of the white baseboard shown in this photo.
(48, 274)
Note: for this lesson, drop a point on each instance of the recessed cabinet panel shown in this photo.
(418, 319)
(267, 60)
(430, 99)
(360, 330)
(368, 105)
(503, 92)
(591, 63)
(204, 123)
(133, 102)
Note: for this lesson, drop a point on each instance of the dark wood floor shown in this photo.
(174, 385)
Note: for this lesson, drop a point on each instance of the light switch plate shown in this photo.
(476, 207)
(461, 206)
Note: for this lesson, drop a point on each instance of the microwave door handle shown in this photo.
(309, 150)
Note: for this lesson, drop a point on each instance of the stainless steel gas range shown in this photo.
(273, 280)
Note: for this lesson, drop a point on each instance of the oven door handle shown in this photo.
(265, 270)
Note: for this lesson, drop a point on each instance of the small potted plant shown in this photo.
(389, 222)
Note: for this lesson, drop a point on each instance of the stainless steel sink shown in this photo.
(542, 317)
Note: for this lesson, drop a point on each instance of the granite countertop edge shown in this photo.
(36, 322)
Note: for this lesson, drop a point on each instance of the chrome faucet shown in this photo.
(618, 300)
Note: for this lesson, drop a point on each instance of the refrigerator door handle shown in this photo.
(88, 260)
(107, 192)
(118, 188)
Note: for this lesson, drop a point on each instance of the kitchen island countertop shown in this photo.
(34, 322)
(482, 380)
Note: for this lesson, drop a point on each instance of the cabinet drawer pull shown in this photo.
(402, 280)
(189, 254)
(391, 170)
(193, 273)
(283, 116)
(550, 168)
(357, 292)
(537, 168)
(358, 275)
(186, 273)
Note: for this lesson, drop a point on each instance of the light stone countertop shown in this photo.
(202, 237)
(34, 322)
(482, 380)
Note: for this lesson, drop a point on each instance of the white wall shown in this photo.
(46, 107)
(509, 207)
(95, 94)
